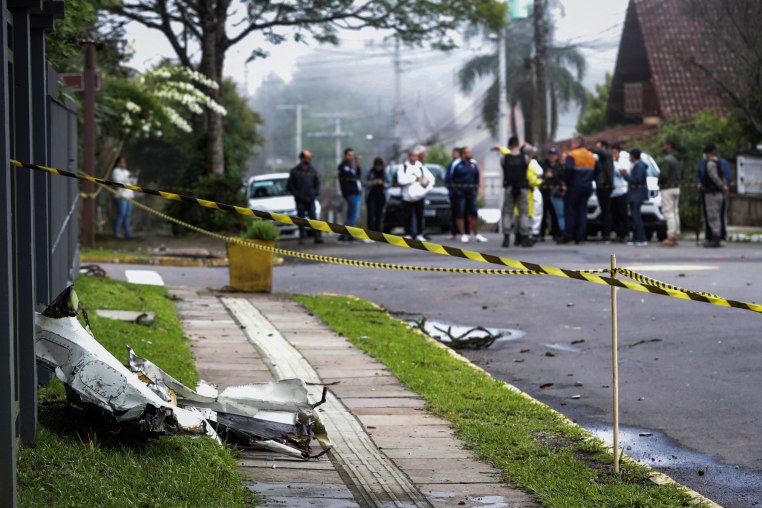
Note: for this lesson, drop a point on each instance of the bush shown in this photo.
(259, 229)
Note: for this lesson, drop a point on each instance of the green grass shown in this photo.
(529, 443)
(78, 461)
(113, 253)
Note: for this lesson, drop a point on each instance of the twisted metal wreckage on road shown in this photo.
(144, 399)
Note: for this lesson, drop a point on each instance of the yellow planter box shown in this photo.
(251, 269)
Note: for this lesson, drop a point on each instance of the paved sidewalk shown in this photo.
(388, 451)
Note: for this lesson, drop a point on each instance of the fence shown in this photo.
(38, 226)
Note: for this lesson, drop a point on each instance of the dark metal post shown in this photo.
(8, 395)
(23, 221)
(88, 204)
(41, 181)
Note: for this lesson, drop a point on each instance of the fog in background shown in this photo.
(355, 81)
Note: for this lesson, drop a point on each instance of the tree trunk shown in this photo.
(514, 127)
(540, 102)
(553, 113)
(212, 57)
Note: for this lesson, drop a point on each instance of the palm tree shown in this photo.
(566, 68)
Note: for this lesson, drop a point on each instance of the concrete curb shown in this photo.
(158, 260)
(655, 476)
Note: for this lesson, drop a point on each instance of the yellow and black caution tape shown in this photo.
(328, 227)
(327, 259)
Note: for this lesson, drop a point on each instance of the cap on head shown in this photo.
(553, 151)
(635, 153)
(710, 148)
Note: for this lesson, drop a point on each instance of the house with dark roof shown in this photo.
(661, 66)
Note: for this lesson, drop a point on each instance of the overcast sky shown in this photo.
(594, 24)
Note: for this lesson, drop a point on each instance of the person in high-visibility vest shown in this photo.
(579, 170)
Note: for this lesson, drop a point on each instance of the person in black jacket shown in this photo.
(304, 184)
(375, 198)
(604, 184)
(350, 182)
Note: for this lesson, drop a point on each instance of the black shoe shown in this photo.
(506, 241)
(526, 241)
(563, 241)
(318, 239)
(712, 245)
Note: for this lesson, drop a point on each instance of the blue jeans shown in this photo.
(353, 209)
(353, 213)
(305, 210)
(638, 230)
(123, 212)
(575, 213)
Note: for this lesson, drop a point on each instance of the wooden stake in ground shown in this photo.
(615, 365)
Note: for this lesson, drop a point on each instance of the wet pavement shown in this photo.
(688, 369)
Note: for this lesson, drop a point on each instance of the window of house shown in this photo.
(633, 98)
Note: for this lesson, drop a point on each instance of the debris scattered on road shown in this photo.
(461, 337)
(549, 353)
(577, 384)
(703, 471)
(575, 397)
(545, 385)
(578, 341)
(570, 304)
(644, 341)
(525, 350)
(646, 434)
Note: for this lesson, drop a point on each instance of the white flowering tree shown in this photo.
(149, 105)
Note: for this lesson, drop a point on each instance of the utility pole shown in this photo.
(298, 108)
(396, 120)
(337, 132)
(540, 102)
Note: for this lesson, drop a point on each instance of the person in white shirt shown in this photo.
(120, 174)
(416, 181)
(619, 214)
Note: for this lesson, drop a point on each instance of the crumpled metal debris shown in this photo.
(95, 377)
(476, 337)
(277, 416)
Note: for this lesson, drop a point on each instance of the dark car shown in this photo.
(437, 213)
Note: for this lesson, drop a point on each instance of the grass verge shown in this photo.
(78, 461)
(529, 443)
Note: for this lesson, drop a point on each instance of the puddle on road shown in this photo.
(563, 347)
(439, 330)
(725, 484)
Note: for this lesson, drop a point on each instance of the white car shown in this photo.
(268, 193)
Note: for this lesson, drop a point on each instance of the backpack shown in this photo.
(515, 171)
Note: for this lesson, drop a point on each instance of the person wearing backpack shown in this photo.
(579, 170)
(515, 194)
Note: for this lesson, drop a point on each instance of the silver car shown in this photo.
(268, 193)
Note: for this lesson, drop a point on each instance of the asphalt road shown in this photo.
(689, 372)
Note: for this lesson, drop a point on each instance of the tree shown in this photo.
(211, 26)
(733, 27)
(594, 117)
(565, 69)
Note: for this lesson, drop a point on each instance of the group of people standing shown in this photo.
(565, 184)
(539, 197)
